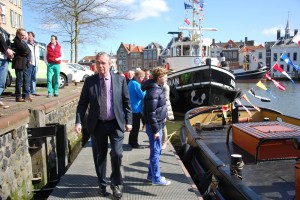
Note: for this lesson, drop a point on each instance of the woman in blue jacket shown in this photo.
(154, 111)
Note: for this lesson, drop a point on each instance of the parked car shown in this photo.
(66, 74)
(81, 71)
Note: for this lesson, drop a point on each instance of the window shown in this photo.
(133, 64)
(12, 18)
(234, 55)
(122, 50)
(120, 62)
(124, 62)
(288, 68)
(260, 55)
(145, 55)
(3, 18)
(268, 54)
(186, 50)
(149, 55)
(294, 56)
(282, 67)
(275, 57)
(154, 55)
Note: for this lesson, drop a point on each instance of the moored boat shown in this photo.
(251, 75)
(196, 78)
(232, 155)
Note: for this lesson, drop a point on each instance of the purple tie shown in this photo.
(103, 101)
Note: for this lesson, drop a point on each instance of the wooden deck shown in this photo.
(80, 180)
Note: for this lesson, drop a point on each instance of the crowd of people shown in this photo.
(119, 102)
(24, 55)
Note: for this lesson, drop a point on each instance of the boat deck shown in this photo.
(273, 179)
(80, 180)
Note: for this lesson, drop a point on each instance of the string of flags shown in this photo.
(278, 85)
(276, 66)
(188, 6)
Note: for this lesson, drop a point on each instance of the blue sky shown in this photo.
(257, 20)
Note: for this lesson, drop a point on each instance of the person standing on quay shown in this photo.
(54, 55)
(154, 111)
(106, 95)
(170, 115)
(20, 63)
(35, 57)
(5, 54)
(136, 98)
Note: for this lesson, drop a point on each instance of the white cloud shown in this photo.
(143, 9)
(271, 31)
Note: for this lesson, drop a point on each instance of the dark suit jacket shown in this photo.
(90, 97)
(21, 58)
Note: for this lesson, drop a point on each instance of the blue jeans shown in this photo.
(22, 83)
(3, 74)
(53, 69)
(155, 151)
(32, 74)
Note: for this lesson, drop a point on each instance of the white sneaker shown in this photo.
(150, 179)
(162, 182)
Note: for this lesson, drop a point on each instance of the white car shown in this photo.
(80, 72)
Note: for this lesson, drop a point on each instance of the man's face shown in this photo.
(22, 35)
(30, 37)
(102, 65)
(53, 40)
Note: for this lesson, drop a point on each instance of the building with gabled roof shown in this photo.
(129, 57)
(151, 56)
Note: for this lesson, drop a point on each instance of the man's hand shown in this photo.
(10, 53)
(78, 128)
(156, 136)
(128, 127)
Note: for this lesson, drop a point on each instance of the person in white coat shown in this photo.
(35, 58)
(170, 115)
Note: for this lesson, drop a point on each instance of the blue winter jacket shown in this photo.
(136, 96)
(154, 108)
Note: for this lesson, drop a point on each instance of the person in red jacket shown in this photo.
(54, 55)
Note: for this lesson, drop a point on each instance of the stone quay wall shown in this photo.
(19, 164)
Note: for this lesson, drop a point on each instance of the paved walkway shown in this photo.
(80, 180)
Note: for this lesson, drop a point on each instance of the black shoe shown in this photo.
(116, 191)
(136, 146)
(56, 95)
(103, 193)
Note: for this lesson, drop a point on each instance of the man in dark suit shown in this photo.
(109, 115)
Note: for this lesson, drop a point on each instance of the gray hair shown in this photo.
(103, 54)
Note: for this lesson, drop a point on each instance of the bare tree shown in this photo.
(80, 20)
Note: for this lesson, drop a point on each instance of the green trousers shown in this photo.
(53, 69)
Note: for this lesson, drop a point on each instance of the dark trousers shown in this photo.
(134, 133)
(22, 83)
(99, 139)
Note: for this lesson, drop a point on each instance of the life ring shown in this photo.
(173, 94)
(167, 66)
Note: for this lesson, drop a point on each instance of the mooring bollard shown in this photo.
(236, 165)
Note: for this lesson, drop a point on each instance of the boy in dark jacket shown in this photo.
(154, 111)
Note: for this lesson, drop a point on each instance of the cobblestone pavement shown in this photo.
(8, 98)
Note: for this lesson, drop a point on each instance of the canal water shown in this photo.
(287, 102)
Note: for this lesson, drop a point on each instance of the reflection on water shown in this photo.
(287, 102)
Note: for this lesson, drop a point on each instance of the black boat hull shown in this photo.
(251, 76)
(201, 86)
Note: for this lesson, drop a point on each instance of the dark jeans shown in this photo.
(22, 83)
(134, 133)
